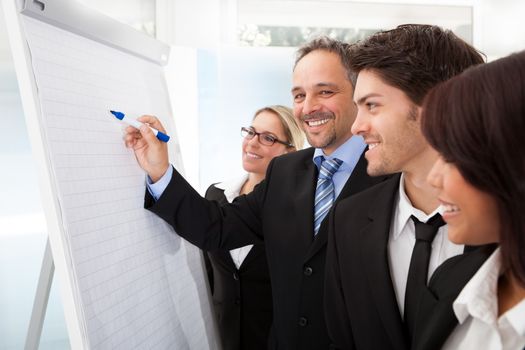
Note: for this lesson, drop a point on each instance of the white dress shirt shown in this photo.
(232, 189)
(403, 238)
(476, 309)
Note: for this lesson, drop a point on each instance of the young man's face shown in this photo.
(322, 96)
(389, 122)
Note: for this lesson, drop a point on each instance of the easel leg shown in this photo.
(41, 298)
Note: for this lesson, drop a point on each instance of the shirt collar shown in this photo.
(516, 319)
(232, 187)
(349, 152)
(405, 210)
(479, 297)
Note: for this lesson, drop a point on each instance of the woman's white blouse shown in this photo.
(476, 309)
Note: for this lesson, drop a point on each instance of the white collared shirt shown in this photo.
(232, 189)
(403, 238)
(476, 309)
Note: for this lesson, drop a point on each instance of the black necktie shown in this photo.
(418, 271)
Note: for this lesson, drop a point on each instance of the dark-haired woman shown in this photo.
(477, 123)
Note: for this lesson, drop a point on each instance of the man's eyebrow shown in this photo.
(318, 85)
(361, 100)
(323, 84)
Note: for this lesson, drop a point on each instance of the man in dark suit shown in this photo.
(281, 210)
(370, 297)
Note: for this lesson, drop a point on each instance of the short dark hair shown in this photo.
(414, 57)
(325, 43)
(477, 122)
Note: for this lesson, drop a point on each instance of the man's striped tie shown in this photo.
(324, 193)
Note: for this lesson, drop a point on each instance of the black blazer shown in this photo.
(360, 301)
(279, 212)
(242, 298)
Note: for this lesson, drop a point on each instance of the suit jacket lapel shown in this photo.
(374, 256)
(252, 255)
(304, 193)
(359, 179)
(217, 194)
(227, 259)
(436, 319)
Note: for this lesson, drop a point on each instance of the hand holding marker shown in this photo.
(136, 124)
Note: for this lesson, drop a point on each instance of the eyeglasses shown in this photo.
(264, 137)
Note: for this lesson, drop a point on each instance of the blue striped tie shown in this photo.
(324, 193)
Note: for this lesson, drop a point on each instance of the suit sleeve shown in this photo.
(210, 194)
(337, 320)
(207, 224)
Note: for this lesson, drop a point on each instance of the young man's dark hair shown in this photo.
(414, 57)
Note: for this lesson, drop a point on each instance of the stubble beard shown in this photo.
(323, 141)
(381, 166)
(378, 170)
(385, 165)
(320, 140)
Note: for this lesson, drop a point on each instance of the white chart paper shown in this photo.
(138, 284)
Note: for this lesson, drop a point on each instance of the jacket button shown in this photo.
(235, 276)
(303, 321)
(308, 271)
(237, 301)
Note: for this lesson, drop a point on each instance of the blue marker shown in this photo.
(136, 124)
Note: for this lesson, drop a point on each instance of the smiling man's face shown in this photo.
(322, 97)
(389, 123)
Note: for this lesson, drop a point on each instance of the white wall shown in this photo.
(244, 80)
(500, 29)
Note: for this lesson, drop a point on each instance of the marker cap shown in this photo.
(163, 137)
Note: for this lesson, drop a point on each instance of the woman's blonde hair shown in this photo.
(293, 132)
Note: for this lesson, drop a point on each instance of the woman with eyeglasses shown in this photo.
(476, 121)
(239, 278)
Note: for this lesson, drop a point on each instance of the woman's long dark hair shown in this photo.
(477, 122)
